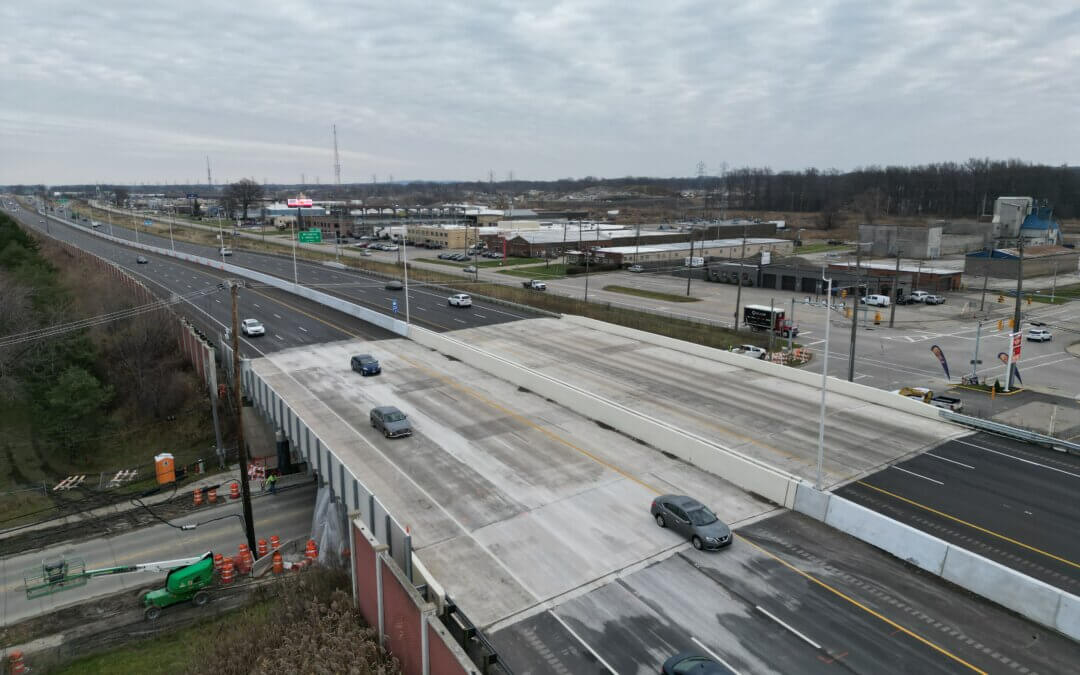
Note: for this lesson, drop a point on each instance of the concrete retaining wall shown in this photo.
(1038, 601)
(742, 470)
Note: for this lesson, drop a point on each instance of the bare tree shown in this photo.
(244, 193)
(120, 196)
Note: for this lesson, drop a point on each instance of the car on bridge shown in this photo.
(691, 518)
(394, 285)
(689, 663)
(252, 327)
(459, 300)
(390, 421)
(141, 260)
(365, 364)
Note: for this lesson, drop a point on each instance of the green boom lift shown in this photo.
(187, 579)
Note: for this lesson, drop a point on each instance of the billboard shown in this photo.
(299, 203)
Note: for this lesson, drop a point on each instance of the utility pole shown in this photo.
(738, 285)
(854, 314)
(896, 289)
(1016, 308)
(986, 279)
(690, 267)
(975, 358)
(824, 385)
(241, 451)
(791, 324)
(772, 324)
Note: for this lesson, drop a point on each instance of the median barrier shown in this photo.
(741, 470)
(903, 541)
(1068, 616)
(1032, 598)
(812, 502)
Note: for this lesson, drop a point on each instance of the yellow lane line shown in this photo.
(527, 422)
(863, 607)
(971, 525)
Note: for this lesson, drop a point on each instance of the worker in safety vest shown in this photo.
(271, 482)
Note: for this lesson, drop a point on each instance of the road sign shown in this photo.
(192, 195)
(299, 203)
(311, 237)
(393, 306)
(1016, 342)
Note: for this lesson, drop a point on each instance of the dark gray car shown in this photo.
(692, 519)
(390, 421)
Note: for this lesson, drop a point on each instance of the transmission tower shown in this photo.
(209, 178)
(337, 159)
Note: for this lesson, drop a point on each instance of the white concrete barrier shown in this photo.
(1038, 601)
(744, 471)
(903, 541)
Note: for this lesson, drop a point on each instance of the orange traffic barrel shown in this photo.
(227, 571)
(219, 560)
(275, 542)
(15, 661)
(279, 564)
(263, 548)
(211, 495)
(311, 553)
(234, 490)
(196, 495)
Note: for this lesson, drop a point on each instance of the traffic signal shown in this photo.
(843, 293)
(1012, 324)
(1001, 324)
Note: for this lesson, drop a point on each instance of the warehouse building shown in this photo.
(656, 254)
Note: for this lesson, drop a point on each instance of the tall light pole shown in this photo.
(295, 230)
(854, 313)
(1016, 308)
(405, 268)
(824, 382)
(896, 288)
(241, 451)
(738, 281)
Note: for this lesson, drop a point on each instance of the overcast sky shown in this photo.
(130, 90)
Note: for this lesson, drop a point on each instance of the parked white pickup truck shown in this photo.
(534, 285)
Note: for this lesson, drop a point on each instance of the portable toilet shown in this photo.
(165, 468)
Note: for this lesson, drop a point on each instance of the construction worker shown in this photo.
(271, 481)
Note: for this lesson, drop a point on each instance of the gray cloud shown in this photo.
(124, 90)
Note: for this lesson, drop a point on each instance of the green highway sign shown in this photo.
(311, 237)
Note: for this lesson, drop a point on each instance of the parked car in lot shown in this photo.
(252, 327)
(935, 300)
(875, 300)
(1039, 335)
(689, 663)
(394, 285)
(459, 300)
(635, 268)
(140, 260)
(691, 518)
(365, 364)
(469, 269)
(390, 421)
(918, 296)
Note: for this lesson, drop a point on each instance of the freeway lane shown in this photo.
(1000, 498)
(428, 307)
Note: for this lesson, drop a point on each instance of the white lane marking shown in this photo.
(422, 309)
(257, 305)
(918, 475)
(217, 301)
(713, 655)
(1021, 459)
(279, 337)
(302, 328)
(797, 633)
(585, 644)
(458, 320)
(277, 316)
(481, 316)
(946, 459)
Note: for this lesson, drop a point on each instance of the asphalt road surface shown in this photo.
(1005, 500)
(286, 514)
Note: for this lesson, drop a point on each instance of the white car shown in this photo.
(635, 268)
(226, 251)
(918, 296)
(752, 351)
(460, 300)
(1039, 335)
(251, 327)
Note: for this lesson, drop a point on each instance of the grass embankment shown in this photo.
(555, 271)
(84, 402)
(681, 329)
(652, 295)
(1061, 294)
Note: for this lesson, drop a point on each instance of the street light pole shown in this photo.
(738, 279)
(824, 385)
(896, 290)
(854, 314)
(986, 279)
(296, 229)
(1016, 308)
(405, 269)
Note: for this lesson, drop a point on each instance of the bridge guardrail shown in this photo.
(1011, 431)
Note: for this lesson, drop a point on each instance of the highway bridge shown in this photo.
(540, 443)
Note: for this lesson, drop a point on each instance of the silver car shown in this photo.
(390, 421)
(691, 518)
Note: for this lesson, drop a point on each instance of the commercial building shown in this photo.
(657, 254)
(1039, 261)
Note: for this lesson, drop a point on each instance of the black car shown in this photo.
(690, 663)
(365, 364)
(691, 518)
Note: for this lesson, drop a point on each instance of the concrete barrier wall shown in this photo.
(1038, 601)
(746, 472)
(835, 385)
